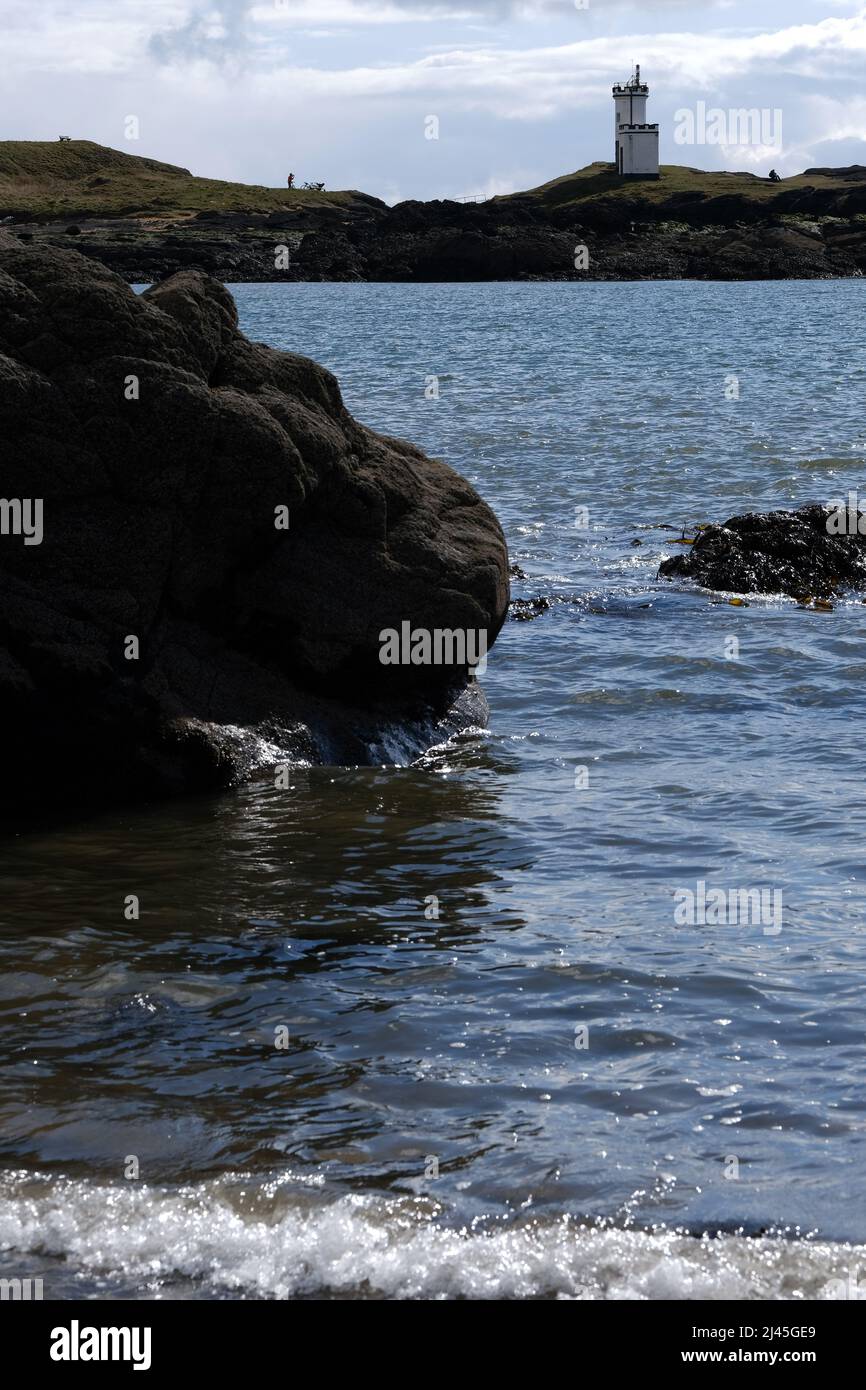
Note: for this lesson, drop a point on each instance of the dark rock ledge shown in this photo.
(799, 553)
(159, 523)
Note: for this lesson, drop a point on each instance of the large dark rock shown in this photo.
(798, 553)
(159, 524)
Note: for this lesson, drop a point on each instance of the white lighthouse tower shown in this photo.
(637, 143)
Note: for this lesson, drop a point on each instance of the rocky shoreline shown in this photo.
(146, 220)
(513, 239)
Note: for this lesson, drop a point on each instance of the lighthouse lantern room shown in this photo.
(637, 142)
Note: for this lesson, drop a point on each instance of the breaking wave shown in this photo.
(283, 1239)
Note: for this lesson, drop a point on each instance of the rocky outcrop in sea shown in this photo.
(813, 552)
(201, 547)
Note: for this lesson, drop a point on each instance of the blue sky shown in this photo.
(340, 90)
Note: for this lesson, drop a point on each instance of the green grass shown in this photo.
(45, 178)
(601, 180)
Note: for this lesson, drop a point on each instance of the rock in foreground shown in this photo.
(167, 451)
(796, 552)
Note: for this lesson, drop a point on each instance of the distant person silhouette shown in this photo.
(291, 180)
(774, 177)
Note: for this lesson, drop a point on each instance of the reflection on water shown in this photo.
(299, 908)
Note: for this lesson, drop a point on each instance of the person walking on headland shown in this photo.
(291, 180)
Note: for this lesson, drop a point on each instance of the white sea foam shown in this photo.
(282, 1239)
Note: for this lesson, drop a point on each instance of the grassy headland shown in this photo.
(680, 184)
(49, 179)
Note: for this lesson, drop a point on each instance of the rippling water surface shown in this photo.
(431, 1126)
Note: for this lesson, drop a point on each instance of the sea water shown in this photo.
(510, 1065)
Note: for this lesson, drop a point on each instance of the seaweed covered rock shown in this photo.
(815, 550)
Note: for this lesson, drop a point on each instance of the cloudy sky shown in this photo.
(341, 90)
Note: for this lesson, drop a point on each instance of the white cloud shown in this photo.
(243, 91)
(533, 83)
